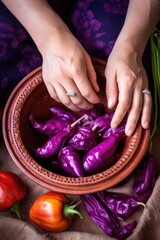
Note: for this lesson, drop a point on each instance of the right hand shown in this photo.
(68, 68)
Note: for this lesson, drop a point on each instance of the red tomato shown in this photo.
(52, 211)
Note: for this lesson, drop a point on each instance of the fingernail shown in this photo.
(110, 102)
(129, 132)
(146, 125)
(113, 126)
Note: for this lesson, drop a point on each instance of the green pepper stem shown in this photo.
(15, 209)
(70, 210)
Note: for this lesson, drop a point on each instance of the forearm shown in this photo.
(38, 18)
(141, 19)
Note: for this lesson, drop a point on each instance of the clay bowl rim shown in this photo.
(118, 172)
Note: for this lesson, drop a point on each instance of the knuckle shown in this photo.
(66, 101)
(75, 70)
(130, 80)
(86, 94)
(78, 101)
(124, 105)
(137, 107)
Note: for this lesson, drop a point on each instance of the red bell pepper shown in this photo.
(12, 190)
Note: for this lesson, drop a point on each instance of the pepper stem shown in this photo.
(94, 127)
(70, 210)
(78, 120)
(15, 209)
(141, 204)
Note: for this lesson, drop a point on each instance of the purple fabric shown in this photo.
(97, 24)
(18, 54)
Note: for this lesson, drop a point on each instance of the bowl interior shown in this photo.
(31, 96)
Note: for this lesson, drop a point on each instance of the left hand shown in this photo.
(125, 80)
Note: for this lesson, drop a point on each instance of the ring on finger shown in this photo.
(71, 94)
(146, 91)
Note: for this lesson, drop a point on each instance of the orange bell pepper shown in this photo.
(52, 211)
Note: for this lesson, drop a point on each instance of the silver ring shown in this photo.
(71, 94)
(146, 91)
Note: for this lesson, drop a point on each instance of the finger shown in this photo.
(146, 111)
(92, 76)
(124, 101)
(66, 100)
(111, 89)
(78, 99)
(79, 76)
(52, 91)
(134, 112)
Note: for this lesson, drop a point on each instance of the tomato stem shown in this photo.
(15, 209)
(70, 210)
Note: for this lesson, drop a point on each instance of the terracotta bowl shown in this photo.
(31, 95)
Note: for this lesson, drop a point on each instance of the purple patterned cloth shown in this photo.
(96, 23)
(18, 54)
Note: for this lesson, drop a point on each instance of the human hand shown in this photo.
(125, 80)
(68, 68)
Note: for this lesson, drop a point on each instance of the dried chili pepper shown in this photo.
(70, 161)
(49, 127)
(120, 204)
(145, 179)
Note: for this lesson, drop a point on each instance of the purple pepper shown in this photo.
(101, 216)
(70, 162)
(145, 179)
(103, 155)
(107, 221)
(125, 231)
(53, 145)
(95, 112)
(120, 204)
(84, 138)
(102, 122)
(120, 128)
(63, 114)
(48, 127)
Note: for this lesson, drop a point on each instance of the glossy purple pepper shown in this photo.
(84, 138)
(55, 143)
(49, 127)
(101, 216)
(63, 114)
(70, 162)
(145, 178)
(120, 204)
(103, 155)
(102, 122)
